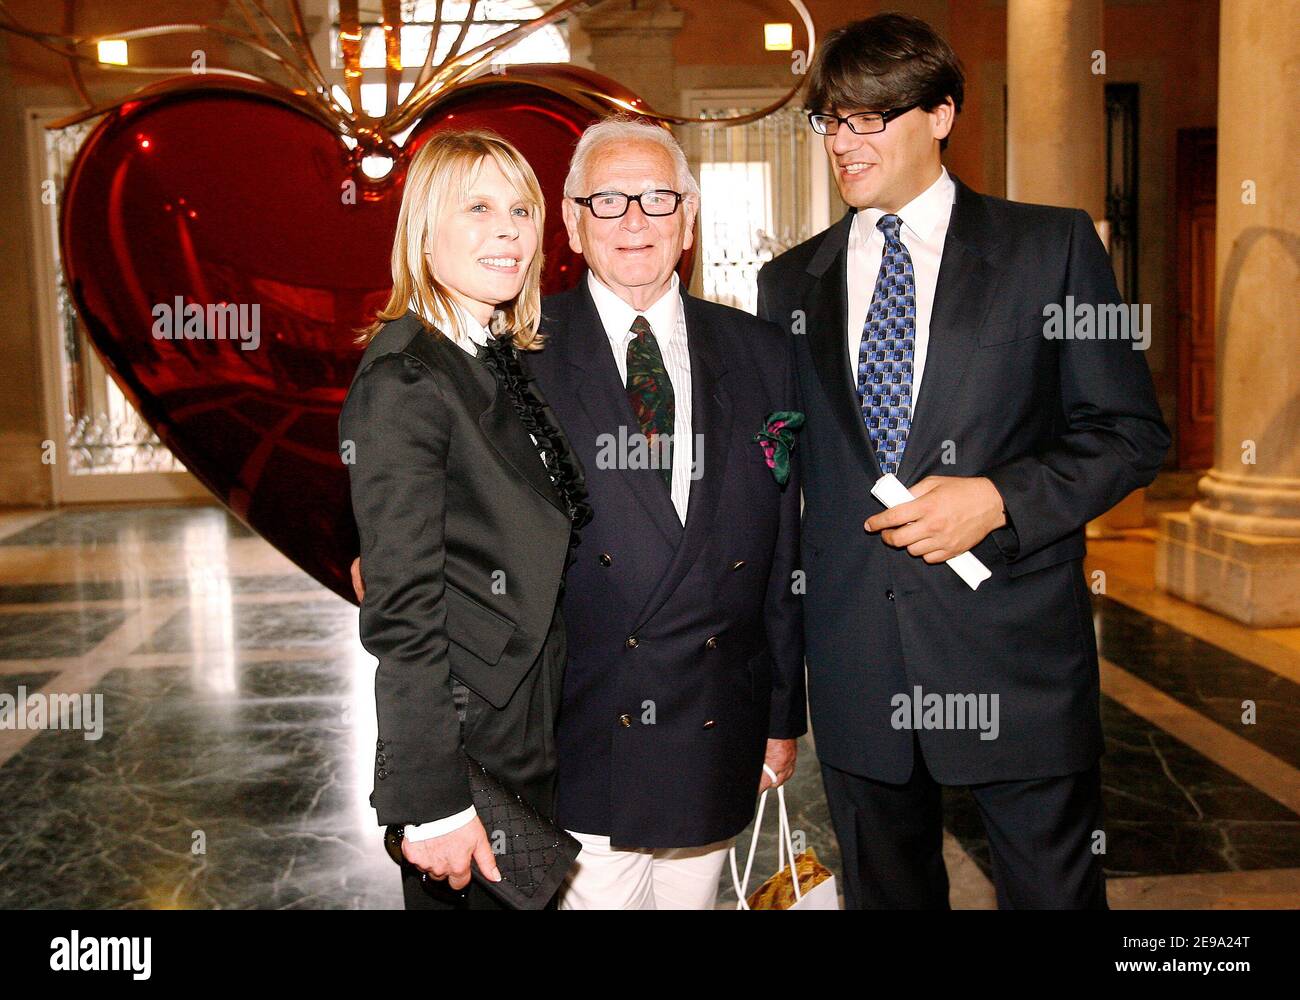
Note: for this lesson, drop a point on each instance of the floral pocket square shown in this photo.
(777, 439)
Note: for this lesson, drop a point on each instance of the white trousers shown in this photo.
(617, 878)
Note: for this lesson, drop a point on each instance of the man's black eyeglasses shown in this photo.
(862, 123)
(613, 204)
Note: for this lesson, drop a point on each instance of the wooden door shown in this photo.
(1197, 149)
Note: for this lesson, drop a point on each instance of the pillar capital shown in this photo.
(631, 16)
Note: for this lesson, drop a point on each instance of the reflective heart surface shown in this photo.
(225, 195)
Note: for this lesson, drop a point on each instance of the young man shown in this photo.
(922, 350)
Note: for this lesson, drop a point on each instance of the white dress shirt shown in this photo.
(924, 230)
(469, 334)
(667, 320)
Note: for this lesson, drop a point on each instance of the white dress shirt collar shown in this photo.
(464, 331)
(617, 315)
(922, 215)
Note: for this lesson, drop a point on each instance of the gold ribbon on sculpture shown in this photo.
(350, 46)
(290, 49)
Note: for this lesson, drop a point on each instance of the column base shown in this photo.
(1131, 512)
(24, 480)
(1253, 579)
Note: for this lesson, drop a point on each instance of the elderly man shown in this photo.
(685, 669)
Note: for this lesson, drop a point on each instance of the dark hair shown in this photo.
(886, 61)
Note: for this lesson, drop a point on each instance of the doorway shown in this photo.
(1195, 180)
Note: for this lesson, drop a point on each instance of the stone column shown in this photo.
(1056, 106)
(632, 42)
(1056, 132)
(24, 480)
(1237, 551)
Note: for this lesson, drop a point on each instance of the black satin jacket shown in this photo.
(465, 527)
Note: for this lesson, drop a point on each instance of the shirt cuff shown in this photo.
(439, 827)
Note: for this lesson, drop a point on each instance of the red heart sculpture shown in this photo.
(225, 194)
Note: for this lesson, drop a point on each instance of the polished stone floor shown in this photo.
(235, 722)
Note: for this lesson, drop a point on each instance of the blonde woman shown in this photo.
(467, 503)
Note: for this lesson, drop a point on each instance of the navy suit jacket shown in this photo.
(1064, 428)
(685, 643)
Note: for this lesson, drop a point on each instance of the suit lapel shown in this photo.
(604, 398)
(827, 338)
(498, 420)
(501, 425)
(967, 281)
(711, 419)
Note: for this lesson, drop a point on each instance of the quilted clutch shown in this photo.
(535, 855)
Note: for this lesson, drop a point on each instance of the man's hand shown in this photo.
(950, 515)
(449, 856)
(358, 585)
(780, 758)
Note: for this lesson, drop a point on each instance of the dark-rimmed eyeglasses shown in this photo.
(862, 123)
(613, 204)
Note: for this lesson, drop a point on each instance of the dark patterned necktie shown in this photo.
(650, 392)
(887, 350)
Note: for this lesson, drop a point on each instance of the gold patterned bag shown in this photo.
(777, 893)
(814, 888)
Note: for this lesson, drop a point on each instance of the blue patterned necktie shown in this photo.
(886, 353)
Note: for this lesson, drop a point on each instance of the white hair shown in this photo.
(622, 129)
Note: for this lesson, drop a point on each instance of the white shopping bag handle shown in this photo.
(785, 842)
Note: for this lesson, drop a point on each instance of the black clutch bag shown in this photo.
(534, 856)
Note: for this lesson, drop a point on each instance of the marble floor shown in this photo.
(222, 758)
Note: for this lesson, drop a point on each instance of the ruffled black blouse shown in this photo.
(501, 357)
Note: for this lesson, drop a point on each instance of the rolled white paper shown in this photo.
(889, 491)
